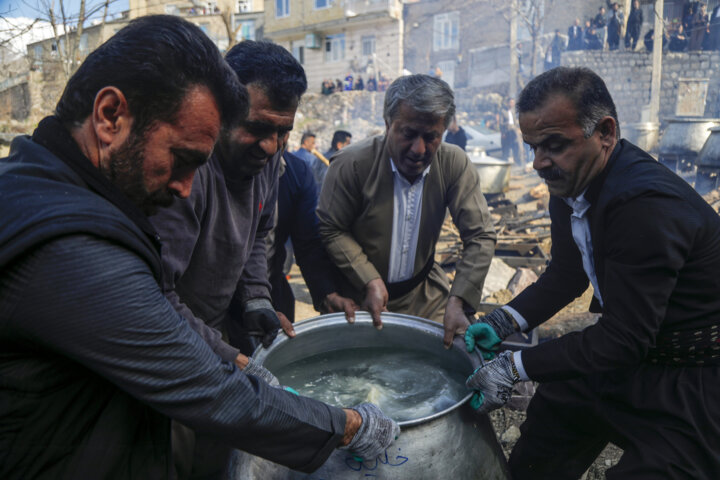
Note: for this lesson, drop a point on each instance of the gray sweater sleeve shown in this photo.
(98, 304)
(254, 282)
(181, 225)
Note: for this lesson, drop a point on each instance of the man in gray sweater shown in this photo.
(94, 361)
(215, 241)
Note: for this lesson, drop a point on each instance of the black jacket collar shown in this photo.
(53, 135)
(593, 190)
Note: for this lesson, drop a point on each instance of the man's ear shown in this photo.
(111, 116)
(607, 128)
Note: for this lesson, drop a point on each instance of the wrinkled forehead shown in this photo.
(556, 114)
(407, 116)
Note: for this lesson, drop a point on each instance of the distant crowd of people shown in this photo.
(605, 30)
(350, 83)
(695, 31)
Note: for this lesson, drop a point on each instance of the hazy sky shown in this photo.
(34, 9)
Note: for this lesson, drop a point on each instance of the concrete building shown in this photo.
(335, 38)
(226, 22)
(469, 40)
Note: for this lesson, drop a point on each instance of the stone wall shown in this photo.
(15, 102)
(628, 76)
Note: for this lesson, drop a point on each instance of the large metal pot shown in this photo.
(494, 172)
(708, 164)
(454, 443)
(681, 141)
(643, 134)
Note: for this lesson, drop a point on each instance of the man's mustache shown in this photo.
(551, 173)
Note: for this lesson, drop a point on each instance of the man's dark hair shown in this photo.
(272, 68)
(340, 136)
(583, 87)
(155, 61)
(305, 136)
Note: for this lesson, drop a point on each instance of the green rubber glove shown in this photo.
(483, 336)
(476, 400)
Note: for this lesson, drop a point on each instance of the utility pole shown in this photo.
(656, 78)
(512, 91)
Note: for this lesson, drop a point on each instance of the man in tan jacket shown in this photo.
(383, 204)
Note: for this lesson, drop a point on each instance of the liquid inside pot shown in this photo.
(405, 384)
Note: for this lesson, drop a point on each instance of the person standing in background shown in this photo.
(699, 27)
(455, 134)
(634, 24)
(575, 36)
(510, 133)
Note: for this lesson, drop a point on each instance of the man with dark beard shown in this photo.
(646, 376)
(93, 359)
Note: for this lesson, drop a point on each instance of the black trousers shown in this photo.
(570, 422)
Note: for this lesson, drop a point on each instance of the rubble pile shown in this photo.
(521, 252)
(713, 198)
(360, 113)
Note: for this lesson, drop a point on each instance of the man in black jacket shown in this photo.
(93, 359)
(575, 36)
(634, 24)
(646, 376)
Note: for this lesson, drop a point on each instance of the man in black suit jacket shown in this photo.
(646, 376)
(575, 36)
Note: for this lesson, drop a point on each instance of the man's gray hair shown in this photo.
(422, 93)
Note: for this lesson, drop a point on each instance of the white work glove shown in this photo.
(493, 383)
(375, 434)
(254, 368)
(501, 321)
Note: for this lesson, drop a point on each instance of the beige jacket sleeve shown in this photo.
(339, 205)
(471, 216)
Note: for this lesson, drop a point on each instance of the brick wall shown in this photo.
(628, 76)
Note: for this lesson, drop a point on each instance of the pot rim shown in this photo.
(303, 327)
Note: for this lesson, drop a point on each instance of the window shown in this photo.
(172, 9)
(368, 45)
(445, 31)
(282, 8)
(246, 30)
(335, 47)
(244, 6)
(298, 51)
(322, 4)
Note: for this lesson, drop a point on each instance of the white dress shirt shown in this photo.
(407, 209)
(580, 227)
